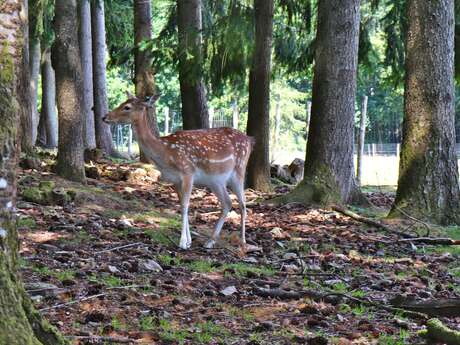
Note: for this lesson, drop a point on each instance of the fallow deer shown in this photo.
(214, 158)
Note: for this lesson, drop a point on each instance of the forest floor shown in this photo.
(104, 267)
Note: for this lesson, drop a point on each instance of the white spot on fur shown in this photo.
(221, 160)
(3, 183)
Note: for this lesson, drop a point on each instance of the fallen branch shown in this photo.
(334, 298)
(120, 247)
(72, 302)
(439, 307)
(433, 241)
(369, 221)
(102, 339)
(437, 331)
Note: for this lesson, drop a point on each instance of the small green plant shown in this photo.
(117, 324)
(340, 287)
(201, 266)
(400, 339)
(359, 310)
(108, 280)
(147, 323)
(64, 275)
(358, 294)
(169, 334)
(26, 223)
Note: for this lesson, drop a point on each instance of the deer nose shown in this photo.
(105, 119)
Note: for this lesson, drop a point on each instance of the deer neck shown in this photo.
(150, 144)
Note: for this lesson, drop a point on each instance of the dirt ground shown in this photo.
(104, 267)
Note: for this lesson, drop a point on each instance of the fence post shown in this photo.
(235, 114)
(166, 120)
(361, 138)
(211, 116)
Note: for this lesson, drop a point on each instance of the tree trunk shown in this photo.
(103, 134)
(258, 175)
(85, 40)
(23, 85)
(362, 135)
(192, 88)
(166, 131)
(428, 172)
(329, 168)
(144, 74)
(34, 71)
(48, 112)
(20, 324)
(67, 64)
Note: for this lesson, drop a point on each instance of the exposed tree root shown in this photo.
(436, 307)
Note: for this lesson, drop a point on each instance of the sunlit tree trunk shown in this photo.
(428, 172)
(48, 116)
(84, 12)
(34, 71)
(193, 91)
(329, 168)
(67, 64)
(361, 137)
(144, 74)
(20, 324)
(258, 172)
(103, 134)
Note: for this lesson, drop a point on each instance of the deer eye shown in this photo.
(127, 107)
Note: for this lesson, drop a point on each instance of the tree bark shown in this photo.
(23, 85)
(85, 40)
(48, 115)
(428, 172)
(20, 324)
(258, 172)
(329, 168)
(362, 136)
(67, 64)
(192, 89)
(144, 74)
(34, 71)
(103, 134)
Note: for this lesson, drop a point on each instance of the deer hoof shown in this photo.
(185, 245)
(210, 244)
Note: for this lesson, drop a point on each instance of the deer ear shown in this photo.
(129, 95)
(150, 101)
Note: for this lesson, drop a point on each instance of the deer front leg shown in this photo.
(226, 203)
(184, 196)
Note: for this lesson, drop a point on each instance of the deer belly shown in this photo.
(201, 178)
(169, 176)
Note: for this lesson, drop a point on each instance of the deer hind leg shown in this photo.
(237, 186)
(226, 203)
(184, 190)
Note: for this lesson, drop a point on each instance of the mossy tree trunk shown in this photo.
(67, 64)
(20, 324)
(144, 73)
(329, 173)
(103, 133)
(192, 89)
(258, 171)
(428, 172)
(84, 13)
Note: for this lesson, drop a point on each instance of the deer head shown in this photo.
(130, 111)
